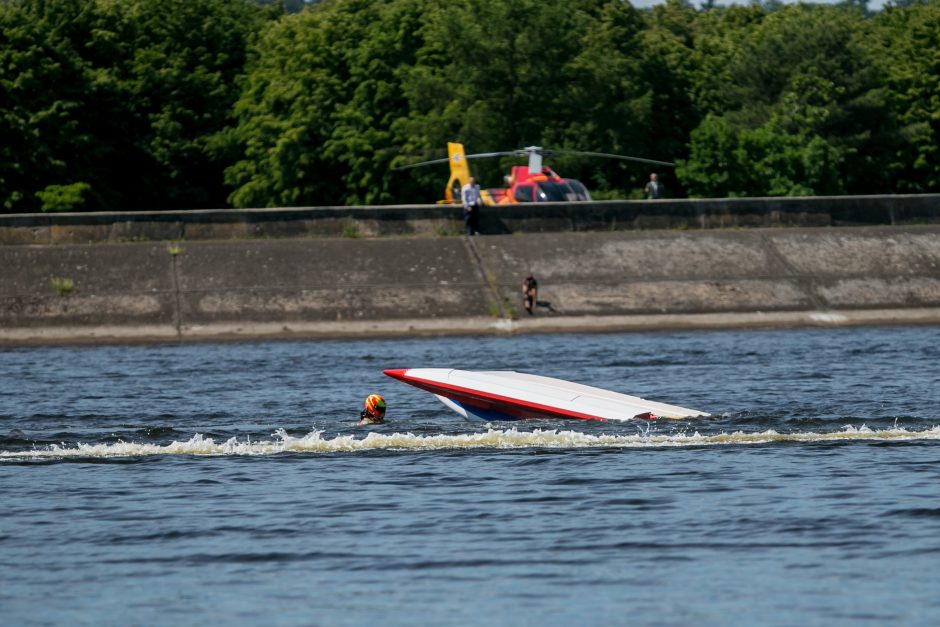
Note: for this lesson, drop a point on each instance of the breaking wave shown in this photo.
(315, 442)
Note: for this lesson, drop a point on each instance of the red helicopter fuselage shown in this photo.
(542, 186)
(532, 183)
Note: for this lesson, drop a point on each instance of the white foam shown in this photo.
(828, 317)
(314, 442)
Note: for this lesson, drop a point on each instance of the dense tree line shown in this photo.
(168, 104)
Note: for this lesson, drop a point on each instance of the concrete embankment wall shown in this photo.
(444, 220)
(401, 286)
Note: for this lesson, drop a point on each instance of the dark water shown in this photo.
(194, 485)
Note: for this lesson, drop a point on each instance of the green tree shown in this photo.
(64, 197)
(362, 140)
(318, 104)
(800, 82)
(717, 38)
(770, 160)
(716, 166)
(152, 104)
(905, 44)
(610, 102)
(669, 67)
(182, 81)
(122, 96)
(48, 101)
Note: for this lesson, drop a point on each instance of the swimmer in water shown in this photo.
(373, 412)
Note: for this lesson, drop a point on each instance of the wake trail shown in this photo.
(315, 442)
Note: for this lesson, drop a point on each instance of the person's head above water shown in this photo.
(373, 410)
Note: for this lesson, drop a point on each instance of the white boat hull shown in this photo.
(509, 395)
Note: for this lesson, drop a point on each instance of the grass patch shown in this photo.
(450, 228)
(351, 230)
(62, 286)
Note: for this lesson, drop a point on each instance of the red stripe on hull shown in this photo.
(493, 402)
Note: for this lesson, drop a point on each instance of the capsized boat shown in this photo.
(509, 395)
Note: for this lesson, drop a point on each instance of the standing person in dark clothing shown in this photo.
(653, 189)
(470, 195)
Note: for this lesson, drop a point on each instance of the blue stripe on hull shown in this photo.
(487, 415)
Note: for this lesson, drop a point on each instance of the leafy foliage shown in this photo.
(905, 42)
(167, 104)
(124, 97)
(63, 197)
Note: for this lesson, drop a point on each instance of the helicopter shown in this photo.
(535, 182)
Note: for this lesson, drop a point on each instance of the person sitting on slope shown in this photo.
(530, 293)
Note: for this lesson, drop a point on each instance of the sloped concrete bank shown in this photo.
(399, 287)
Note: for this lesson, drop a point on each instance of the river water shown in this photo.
(202, 484)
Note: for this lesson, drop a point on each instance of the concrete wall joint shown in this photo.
(488, 279)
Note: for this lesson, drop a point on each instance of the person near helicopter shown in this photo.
(472, 201)
(654, 188)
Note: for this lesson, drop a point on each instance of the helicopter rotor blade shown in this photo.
(612, 156)
(535, 150)
(418, 165)
(479, 155)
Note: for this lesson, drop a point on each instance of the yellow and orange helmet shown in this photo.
(375, 406)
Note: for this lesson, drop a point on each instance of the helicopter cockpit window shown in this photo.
(524, 193)
(579, 189)
(566, 191)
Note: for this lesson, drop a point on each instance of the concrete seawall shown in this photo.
(444, 220)
(404, 286)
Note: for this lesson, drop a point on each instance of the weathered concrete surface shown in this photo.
(209, 288)
(723, 271)
(332, 287)
(438, 220)
(112, 285)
